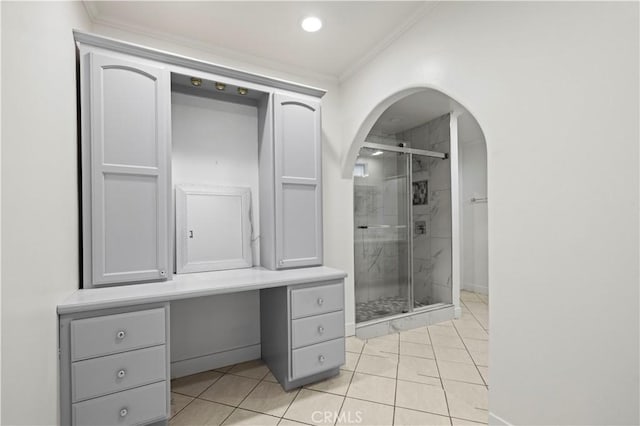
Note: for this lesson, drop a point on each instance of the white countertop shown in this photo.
(200, 284)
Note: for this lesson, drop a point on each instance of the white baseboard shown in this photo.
(350, 329)
(213, 361)
(497, 420)
(476, 288)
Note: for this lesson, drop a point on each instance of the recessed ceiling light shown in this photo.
(375, 154)
(311, 24)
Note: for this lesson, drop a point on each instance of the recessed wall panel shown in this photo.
(299, 213)
(130, 223)
(130, 117)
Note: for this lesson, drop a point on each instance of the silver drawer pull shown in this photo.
(320, 301)
(321, 359)
(120, 335)
(122, 373)
(123, 412)
(320, 329)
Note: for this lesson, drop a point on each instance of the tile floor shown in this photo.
(436, 375)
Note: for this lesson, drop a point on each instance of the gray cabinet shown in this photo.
(114, 366)
(302, 332)
(127, 205)
(298, 181)
(125, 169)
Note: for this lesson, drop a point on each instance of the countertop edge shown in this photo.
(72, 307)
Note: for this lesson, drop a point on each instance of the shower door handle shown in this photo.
(381, 226)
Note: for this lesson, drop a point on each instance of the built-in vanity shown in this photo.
(201, 203)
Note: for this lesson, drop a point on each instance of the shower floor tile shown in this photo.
(383, 307)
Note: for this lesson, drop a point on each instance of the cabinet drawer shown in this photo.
(316, 300)
(135, 406)
(317, 358)
(114, 373)
(111, 334)
(316, 329)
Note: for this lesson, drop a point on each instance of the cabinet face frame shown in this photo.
(95, 167)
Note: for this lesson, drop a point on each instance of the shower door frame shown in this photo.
(410, 225)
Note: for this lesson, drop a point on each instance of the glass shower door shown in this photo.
(381, 240)
(431, 212)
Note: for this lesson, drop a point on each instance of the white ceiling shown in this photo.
(352, 31)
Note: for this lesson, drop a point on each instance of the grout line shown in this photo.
(406, 408)
(433, 377)
(444, 391)
(297, 421)
(291, 402)
(248, 393)
(474, 317)
(395, 391)
(468, 420)
(245, 409)
(346, 392)
(180, 410)
(205, 389)
(469, 352)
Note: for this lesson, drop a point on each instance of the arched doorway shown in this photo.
(420, 222)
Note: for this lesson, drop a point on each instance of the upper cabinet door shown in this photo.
(298, 181)
(129, 115)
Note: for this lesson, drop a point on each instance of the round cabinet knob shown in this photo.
(120, 335)
(122, 373)
(123, 412)
(321, 359)
(320, 301)
(320, 329)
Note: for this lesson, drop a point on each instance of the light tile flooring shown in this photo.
(436, 375)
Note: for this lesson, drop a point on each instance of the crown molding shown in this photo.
(91, 9)
(426, 8)
(221, 53)
(192, 63)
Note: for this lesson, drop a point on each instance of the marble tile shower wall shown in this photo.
(432, 250)
(380, 253)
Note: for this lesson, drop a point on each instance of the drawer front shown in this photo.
(317, 358)
(132, 407)
(111, 334)
(114, 373)
(316, 300)
(319, 328)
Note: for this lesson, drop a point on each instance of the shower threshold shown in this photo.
(419, 317)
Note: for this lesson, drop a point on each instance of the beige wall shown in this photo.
(554, 87)
(39, 200)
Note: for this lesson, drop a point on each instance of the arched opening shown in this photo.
(419, 168)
